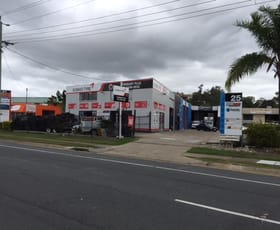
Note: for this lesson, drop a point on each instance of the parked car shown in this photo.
(195, 124)
(205, 127)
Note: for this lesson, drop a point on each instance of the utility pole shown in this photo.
(0, 54)
(6, 43)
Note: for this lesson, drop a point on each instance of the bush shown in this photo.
(263, 135)
(6, 125)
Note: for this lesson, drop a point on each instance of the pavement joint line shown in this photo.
(143, 165)
(228, 212)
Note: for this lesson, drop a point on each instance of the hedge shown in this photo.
(263, 135)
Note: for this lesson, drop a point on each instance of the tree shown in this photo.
(59, 99)
(248, 102)
(208, 97)
(264, 25)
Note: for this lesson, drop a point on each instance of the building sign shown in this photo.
(109, 105)
(30, 108)
(130, 122)
(136, 84)
(78, 88)
(161, 88)
(120, 93)
(95, 105)
(231, 114)
(159, 106)
(84, 106)
(5, 105)
(140, 104)
(72, 106)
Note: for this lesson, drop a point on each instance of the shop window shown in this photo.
(88, 96)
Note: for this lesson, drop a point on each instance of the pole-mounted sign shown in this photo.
(120, 94)
(231, 114)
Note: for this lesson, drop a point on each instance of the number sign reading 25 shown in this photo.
(234, 97)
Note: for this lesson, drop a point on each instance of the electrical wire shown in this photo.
(131, 24)
(52, 67)
(96, 18)
(134, 25)
(52, 12)
(25, 7)
(122, 19)
(8, 66)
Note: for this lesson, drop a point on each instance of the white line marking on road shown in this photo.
(228, 212)
(144, 165)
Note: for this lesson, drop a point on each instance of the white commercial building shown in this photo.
(152, 104)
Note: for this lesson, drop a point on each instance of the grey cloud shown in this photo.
(212, 40)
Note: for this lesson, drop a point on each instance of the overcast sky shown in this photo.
(181, 43)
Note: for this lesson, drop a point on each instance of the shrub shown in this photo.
(6, 125)
(263, 135)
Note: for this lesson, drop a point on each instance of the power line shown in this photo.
(52, 12)
(96, 18)
(52, 67)
(85, 33)
(119, 20)
(25, 7)
(137, 25)
(8, 66)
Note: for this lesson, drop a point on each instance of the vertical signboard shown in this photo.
(231, 114)
(5, 105)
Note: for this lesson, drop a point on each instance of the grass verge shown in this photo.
(241, 163)
(63, 139)
(235, 154)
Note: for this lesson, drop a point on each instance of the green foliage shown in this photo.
(6, 125)
(263, 135)
(59, 99)
(250, 102)
(210, 97)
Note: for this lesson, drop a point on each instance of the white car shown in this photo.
(195, 123)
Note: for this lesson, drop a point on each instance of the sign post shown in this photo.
(120, 94)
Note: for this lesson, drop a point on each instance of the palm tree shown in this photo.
(264, 25)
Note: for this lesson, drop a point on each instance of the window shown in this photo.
(89, 96)
(248, 117)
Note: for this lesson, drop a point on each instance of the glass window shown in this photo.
(88, 96)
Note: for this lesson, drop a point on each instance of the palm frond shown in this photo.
(244, 66)
(265, 27)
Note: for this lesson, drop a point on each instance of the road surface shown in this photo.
(56, 189)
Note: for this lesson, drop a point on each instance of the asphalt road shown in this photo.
(55, 189)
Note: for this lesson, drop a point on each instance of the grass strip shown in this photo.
(62, 139)
(237, 154)
(241, 163)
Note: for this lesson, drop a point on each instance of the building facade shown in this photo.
(260, 115)
(151, 103)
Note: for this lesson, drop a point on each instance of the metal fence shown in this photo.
(143, 123)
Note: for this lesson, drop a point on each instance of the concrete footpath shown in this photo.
(172, 147)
